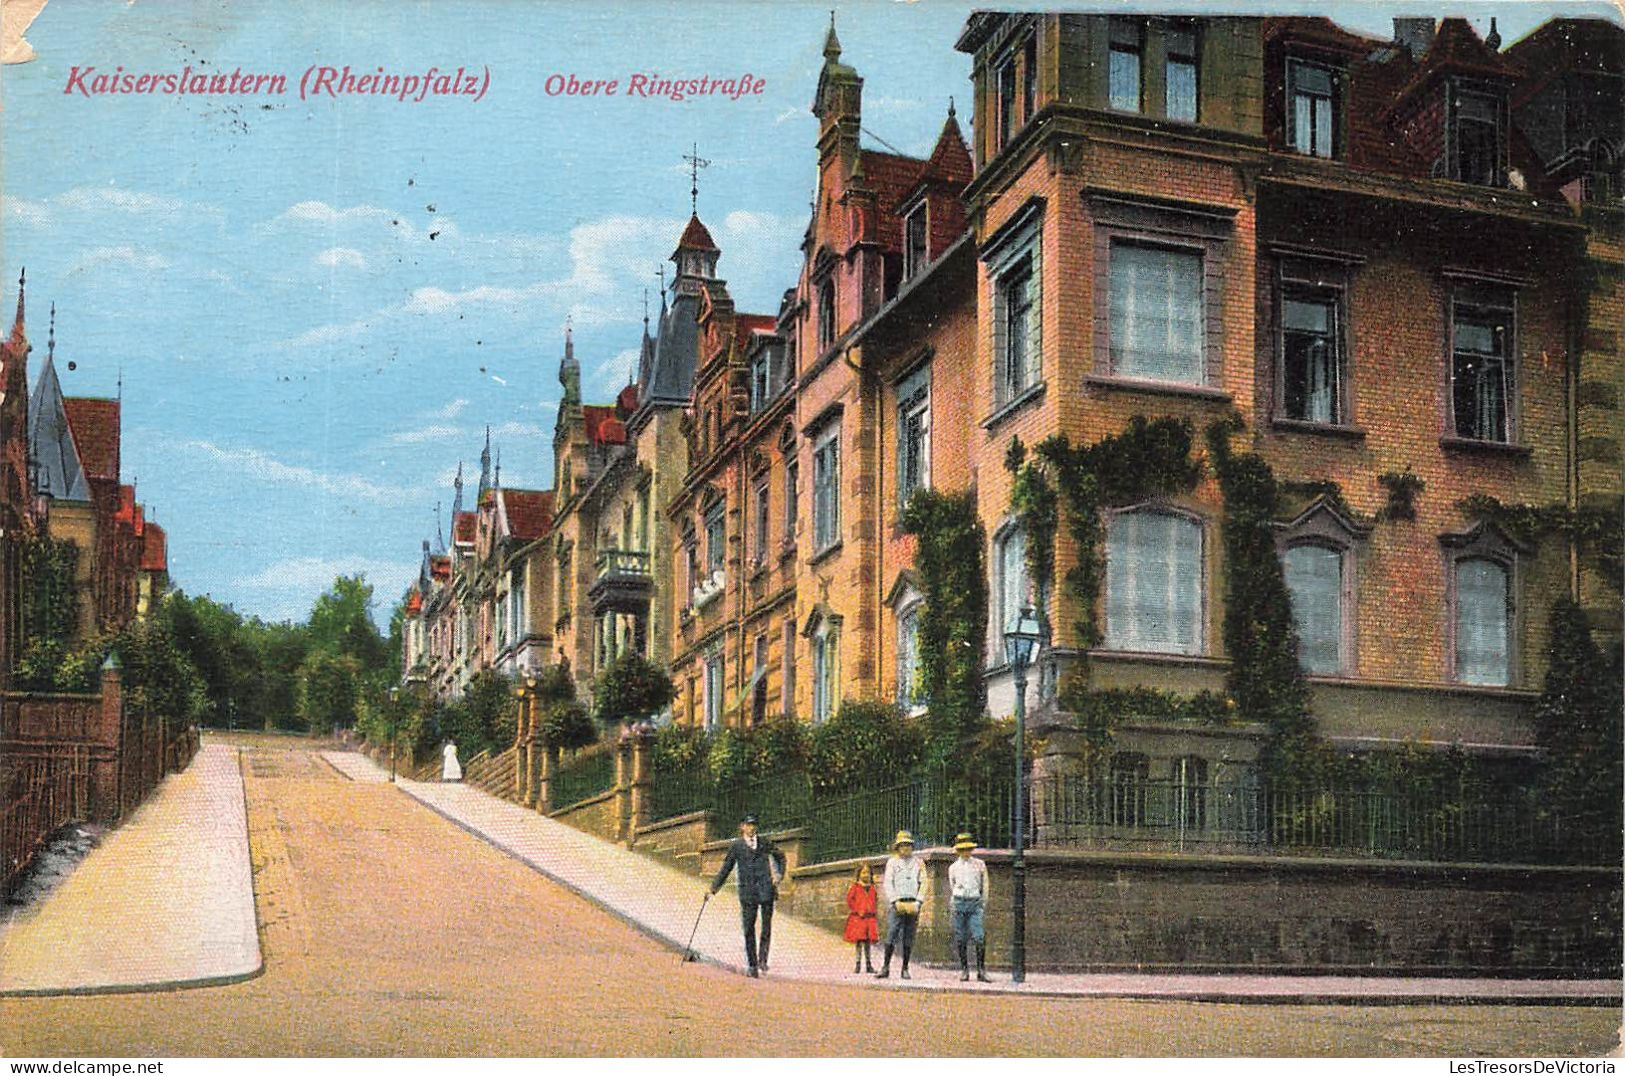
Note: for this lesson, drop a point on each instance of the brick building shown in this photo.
(1397, 260)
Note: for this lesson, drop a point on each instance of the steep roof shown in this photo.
(891, 178)
(50, 440)
(950, 161)
(530, 512)
(154, 549)
(95, 425)
(414, 602)
(463, 526)
(747, 324)
(671, 361)
(696, 236)
(604, 426)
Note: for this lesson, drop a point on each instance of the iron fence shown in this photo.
(587, 774)
(1423, 823)
(931, 807)
(681, 790)
(779, 801)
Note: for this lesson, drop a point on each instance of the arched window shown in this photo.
(1154, 582)
(1314, 578)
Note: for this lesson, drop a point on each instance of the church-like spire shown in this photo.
(485, 468)
(570, 369)
(50, 339)
(18, 336)
(439, 531)
(457, 497)
(832, 44)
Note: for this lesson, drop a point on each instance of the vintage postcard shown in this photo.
(636, 529)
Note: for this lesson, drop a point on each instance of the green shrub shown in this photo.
(742, 756)
(631, 688)
(567, 726)
(679, 749)
(865, 745)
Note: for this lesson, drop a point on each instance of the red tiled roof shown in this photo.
(440, 567)
(695, 236)
(154, 549)
(1317, 30)
(462, 527)
(746, 324)
(95, 426)
(890, 177)
(604, 426)
(414, 602)
(950, 161)
(530, 511)
(627, 401)
(1457, 49)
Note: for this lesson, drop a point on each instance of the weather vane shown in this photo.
(695, 163)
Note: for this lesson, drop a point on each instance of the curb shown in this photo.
(1212, 997)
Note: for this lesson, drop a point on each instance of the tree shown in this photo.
(631, 688)
(1579, 721)
(341, 624)
(328, 690)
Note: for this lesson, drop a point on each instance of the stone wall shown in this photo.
(1153, 912)
(596, 816)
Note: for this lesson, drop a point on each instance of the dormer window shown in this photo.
(761, 378)
(1476, 137)
(1312, 98)
(1181, 74)
(1123, 66)
(914, 249)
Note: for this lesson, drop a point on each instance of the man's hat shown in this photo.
(903, 837)
(963, 841)
(748, 820)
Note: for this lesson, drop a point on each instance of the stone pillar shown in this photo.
(550, 762)
(111, 770)
(642, 806)
(623, 786)
(521, 746)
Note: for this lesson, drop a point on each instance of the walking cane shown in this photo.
(689, 955)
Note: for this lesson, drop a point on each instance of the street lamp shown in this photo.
(1020, 641)
(394, 728)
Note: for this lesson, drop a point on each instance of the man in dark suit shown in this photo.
(761, 868)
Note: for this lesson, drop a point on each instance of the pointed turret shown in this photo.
(50, 439)
(457, 496)
(570, 370)
(695, 257)
(485, 469)
(838, 102)
(19, 336)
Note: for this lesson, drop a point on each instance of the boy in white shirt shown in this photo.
(903, 888)
(967, 883)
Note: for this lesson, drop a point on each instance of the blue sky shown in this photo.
(317, 307)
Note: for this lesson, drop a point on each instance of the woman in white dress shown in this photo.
(451, 769)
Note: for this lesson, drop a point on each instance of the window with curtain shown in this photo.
(792, 496)
(713, 692)
(1481, 373)
(1029, 79)
(1123, 65)
(716, 539)
(1483, 622)
(1311, 355)
(1180, 82)
(1477, 138)
(826, 674)
(826, 489)
(1018, 318)
(909, 693)
(1157, 318)
(1154, 583)
(759, 554)
(1012, 592)
(913, 434)
(1314, 579)
(1312, 97)
(758, 694)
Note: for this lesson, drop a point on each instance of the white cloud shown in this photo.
(335, 257)
(37, 214)
(518, 429)
(322, 213)
(329, 334)
(138, 259)
(103, 202)
(453, 409)
(433, 300)
(615, 371)
(318, 573)
(123, 201)
(425, 435)
(258, 464)
(789, 114)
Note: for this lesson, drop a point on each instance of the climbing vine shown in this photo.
(1594, 529)
(953, 618)
(1265, 678)
(51, 617)
(1403, 487)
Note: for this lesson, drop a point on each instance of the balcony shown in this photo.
(623, 583)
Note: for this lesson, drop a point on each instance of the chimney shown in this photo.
(1414, 35)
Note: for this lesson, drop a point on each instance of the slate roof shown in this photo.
(50, 440)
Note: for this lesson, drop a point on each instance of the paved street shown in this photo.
(388, 930)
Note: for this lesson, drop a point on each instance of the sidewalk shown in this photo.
(662, 902)
(166, 901)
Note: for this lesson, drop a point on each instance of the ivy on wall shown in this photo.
(50, 583)
(953, 619)
(1265, 678)
(1594, 529)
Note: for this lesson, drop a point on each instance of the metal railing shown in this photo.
(34, 802)
(779, 801)
(623, 562)
(931, 807)
(681, 790)
(1422, 823)
(589, 773)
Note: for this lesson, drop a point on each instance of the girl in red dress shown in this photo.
(861, 926)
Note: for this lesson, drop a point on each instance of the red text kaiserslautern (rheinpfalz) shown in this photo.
(318, 80)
